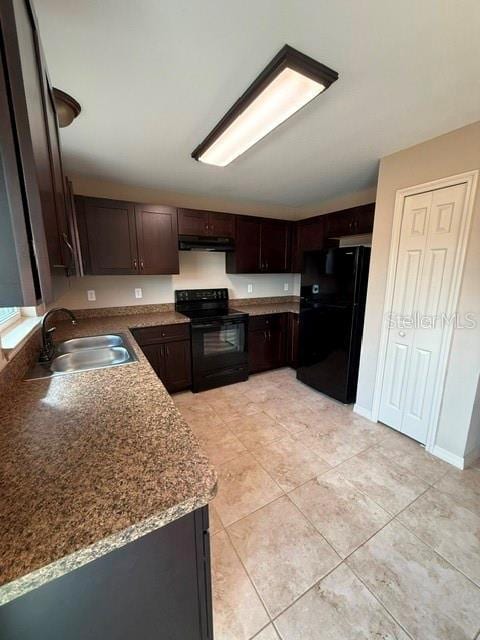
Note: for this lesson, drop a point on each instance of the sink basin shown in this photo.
(84, 354)
(83, 359)
(90, 342)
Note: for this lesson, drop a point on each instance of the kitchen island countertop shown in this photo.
(91, 461)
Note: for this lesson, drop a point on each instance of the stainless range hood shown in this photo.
(199, 243)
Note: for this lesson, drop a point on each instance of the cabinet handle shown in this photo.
(135, 264)
(142, 264)
(167, 352)
(206, 227)
(70, 248)
(265, 335)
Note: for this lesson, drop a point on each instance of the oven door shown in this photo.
(219, 344)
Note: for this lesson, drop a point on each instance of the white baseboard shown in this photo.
(447, 456)
(365, 413)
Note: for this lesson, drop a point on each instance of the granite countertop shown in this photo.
(91, 461)
(267, 308)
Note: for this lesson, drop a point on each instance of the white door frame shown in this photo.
(471, 179)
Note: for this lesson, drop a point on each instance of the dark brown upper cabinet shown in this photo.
(262, 245)
(33, 126)
(124, 238)
(157, 239)
(309, 235)
(350, 221)
(194, 222)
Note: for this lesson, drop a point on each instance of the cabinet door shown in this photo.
(177, 366)
(157, 239)
(246, 257)
(274, 247)
(310, 235)
(60, 229)
(364, 218)
(222, 224)
(340, 224)
(193, 223)
(110, 237)
(155, 587)
(154, 354)
(277, 342)
(38, 153)
(258, 359)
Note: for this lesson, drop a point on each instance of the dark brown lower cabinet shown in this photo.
(155, 588)
(267, 342)
(168, 349)
(292, 340)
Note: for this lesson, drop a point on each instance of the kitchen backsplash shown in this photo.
(198, 270)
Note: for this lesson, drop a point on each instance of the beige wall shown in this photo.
(198, 270)
(89, 186)
(447, 155)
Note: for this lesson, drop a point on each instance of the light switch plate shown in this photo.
(249, 288)
(91, 295)
(138, 292)
(285, 286)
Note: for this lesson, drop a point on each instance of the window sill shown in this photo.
(16, 334)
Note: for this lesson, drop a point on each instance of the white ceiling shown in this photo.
(154, 76)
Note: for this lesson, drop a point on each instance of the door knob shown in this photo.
(402, 334)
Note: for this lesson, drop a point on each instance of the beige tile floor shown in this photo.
(329, 527)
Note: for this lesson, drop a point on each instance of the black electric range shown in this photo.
(219, 337)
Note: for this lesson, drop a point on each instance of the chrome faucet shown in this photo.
(48, 347)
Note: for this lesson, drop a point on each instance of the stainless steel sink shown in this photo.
(84, 359)
(89, 342)
(84, 354)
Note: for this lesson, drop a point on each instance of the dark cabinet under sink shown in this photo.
(168, 349)
(157, 587)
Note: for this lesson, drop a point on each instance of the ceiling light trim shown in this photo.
(286, 58)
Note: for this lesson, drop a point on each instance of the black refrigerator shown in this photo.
(332, 308)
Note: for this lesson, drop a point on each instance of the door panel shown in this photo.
(444, 223)
(157, 239)
(111, 237)
(246, 257)
(177, 371)
(154, 355)
(425, 270)
(257, 351)
(192, 222)
(221, 224)
(274, 247)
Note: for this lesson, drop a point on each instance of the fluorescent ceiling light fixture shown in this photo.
(287, 84)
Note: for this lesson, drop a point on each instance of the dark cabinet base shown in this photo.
(155, 588)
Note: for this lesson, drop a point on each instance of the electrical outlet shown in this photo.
(138, 292)
(249, 288)
(285, 286)
(91, 295)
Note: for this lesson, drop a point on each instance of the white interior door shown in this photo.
(429, 242)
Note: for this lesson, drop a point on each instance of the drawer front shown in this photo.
(162, 333)
(271, 321)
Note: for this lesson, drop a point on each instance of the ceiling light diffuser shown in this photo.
(287, 84)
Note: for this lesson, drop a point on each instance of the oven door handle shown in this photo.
(207, 325)
(219, 323)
